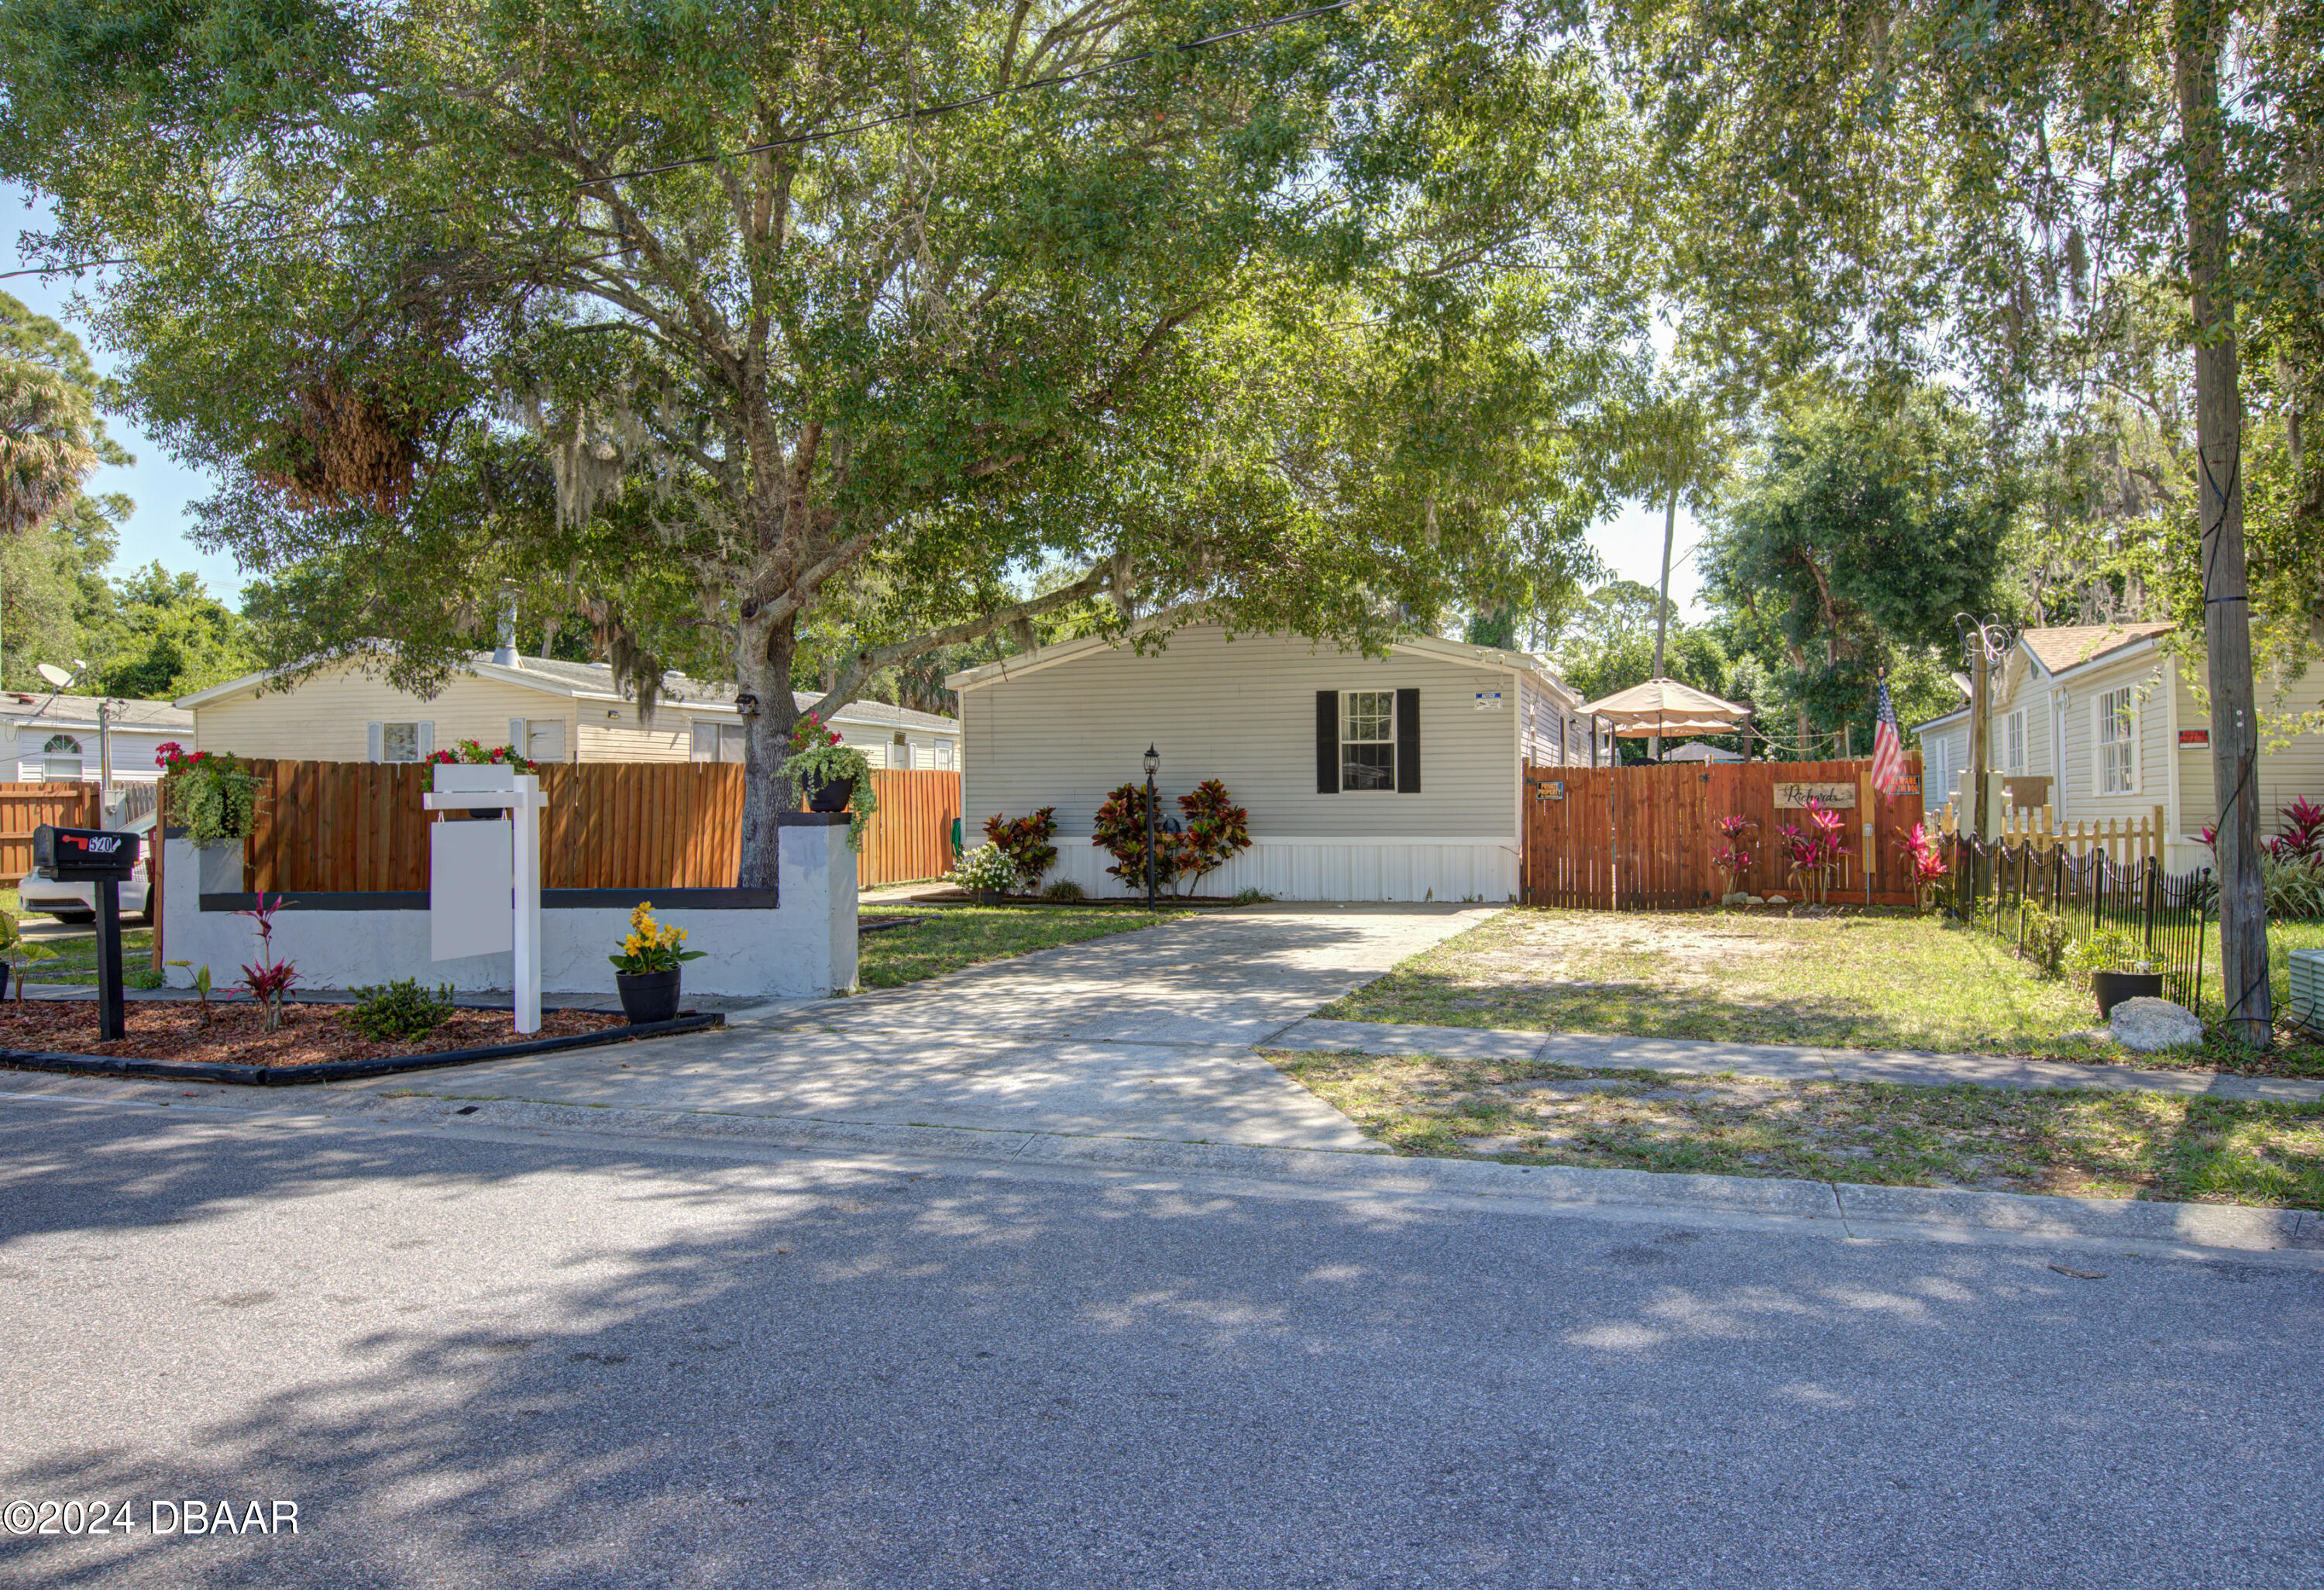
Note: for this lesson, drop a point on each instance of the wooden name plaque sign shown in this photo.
(1837, 796)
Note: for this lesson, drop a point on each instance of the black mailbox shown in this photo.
(83, 855)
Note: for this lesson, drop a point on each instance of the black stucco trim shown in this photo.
(811, 819)
(342, 1071)
(550, 899)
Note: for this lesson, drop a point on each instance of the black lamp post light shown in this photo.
(1153, 766)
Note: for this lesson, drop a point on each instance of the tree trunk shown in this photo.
(2199, 37)
(763, 671)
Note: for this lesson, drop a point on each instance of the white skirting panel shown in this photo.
(1331, 869)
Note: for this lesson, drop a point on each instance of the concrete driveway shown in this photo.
(1145, 1034)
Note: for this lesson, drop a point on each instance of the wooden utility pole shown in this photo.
(1980, 750)
(2199, 38)
(1662, 613)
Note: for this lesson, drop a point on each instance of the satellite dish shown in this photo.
(54, 674)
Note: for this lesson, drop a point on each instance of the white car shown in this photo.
(77, 902)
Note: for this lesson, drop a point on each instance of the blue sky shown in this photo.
(161, 488)
(1631, 542)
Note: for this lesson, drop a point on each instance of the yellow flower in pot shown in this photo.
(646, 971)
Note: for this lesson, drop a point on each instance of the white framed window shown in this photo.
(399, 742)
(716, 741)
(544, 739)
(2117, 741)
(943, 755)
(2012, 742)
(60, 760)
(901, 756)
(1367, 740)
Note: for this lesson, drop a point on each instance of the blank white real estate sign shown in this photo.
(471, 897)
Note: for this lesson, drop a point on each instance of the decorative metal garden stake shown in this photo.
(1153, 766)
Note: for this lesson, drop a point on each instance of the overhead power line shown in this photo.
(917, 113)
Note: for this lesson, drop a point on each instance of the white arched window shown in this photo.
(61, 759)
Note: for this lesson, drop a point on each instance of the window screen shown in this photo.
(1367, 740)
(399, 742)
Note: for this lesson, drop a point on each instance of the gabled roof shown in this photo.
(1430, 646)
(2070, 645)
(594, 681)
(80, 712)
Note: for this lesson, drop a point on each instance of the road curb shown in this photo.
(1846, 1209)
(1843, 1205)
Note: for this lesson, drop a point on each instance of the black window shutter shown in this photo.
(1407, 742)
(1327, 741)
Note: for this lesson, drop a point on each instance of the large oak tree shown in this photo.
(746, 320)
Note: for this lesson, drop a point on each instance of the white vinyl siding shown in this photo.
(1242, 711)
(325, 718)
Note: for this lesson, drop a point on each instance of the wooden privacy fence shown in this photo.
(26, 806)
(328, 827)
(911, 836)
(1642, 838)
(2124, 841)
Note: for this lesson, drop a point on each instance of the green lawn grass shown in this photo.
(950, 936)
(1867, 982)
(2116, 1145)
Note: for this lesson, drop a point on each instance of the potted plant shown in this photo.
(2116, 969)
(647, 970)
(16, 952)
(212, 798)
(476, 755)
(832, 776)
(987, 873)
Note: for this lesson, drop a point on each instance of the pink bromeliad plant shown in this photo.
(1813, 852)
(1733, 860)
(1924, 861)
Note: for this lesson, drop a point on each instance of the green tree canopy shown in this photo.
(847, 317)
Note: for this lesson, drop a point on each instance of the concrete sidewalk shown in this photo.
(1784, 1062)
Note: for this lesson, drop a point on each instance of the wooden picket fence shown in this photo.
(328, 827)
(1641, 838)
(26, 806)
(2124, 841)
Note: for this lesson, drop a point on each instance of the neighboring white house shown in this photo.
(555, 711)
(47, 738)
(1366, 778)
(2104, 713)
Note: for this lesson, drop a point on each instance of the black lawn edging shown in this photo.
(343, 1071)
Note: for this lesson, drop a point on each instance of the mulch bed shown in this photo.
(310, 1034)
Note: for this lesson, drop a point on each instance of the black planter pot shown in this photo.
(648, 996)
(2113, 987)
(4, 979)
(833, 796)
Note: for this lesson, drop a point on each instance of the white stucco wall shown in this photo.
(806, 947)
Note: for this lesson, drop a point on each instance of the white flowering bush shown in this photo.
(986, 870)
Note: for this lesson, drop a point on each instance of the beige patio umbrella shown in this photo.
(1665, 709)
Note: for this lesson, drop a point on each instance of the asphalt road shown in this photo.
(475, 1361)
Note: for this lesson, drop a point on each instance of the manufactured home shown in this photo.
(1397, 777)
(552, 710)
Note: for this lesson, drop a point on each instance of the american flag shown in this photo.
(1887, 747)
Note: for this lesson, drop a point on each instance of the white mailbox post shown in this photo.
(484, 878)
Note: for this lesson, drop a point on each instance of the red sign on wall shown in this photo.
(2194, 736)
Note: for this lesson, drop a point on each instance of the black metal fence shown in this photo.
(2164, 915)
